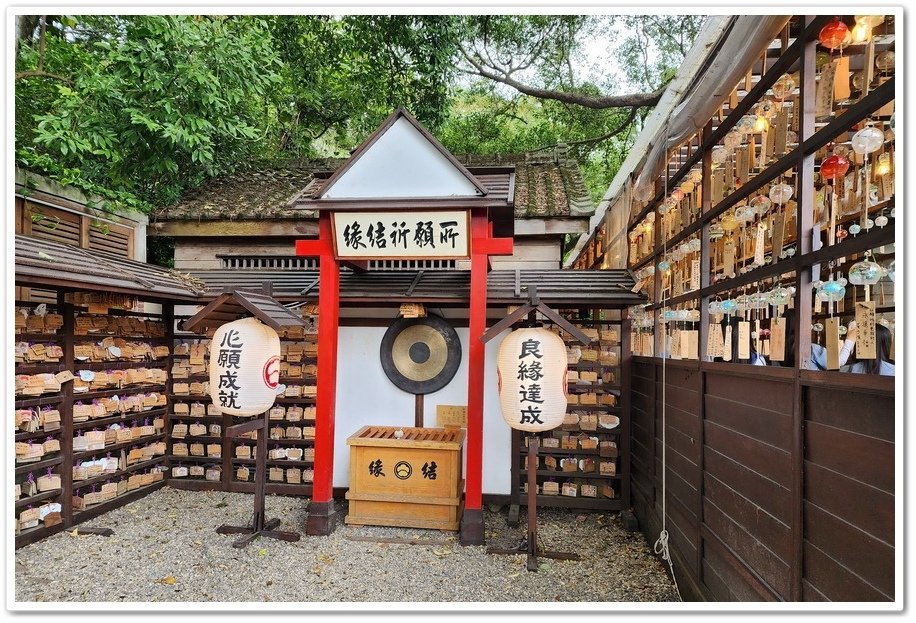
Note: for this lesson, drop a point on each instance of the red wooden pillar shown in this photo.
(322, 517)
(482, 246)
(472, 531)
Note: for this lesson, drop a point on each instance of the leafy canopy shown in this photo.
(139, 108)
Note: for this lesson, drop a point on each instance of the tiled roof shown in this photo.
(547, 184)
(41, 262)
(556, 287)
(251, 194)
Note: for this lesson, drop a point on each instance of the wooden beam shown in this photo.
(293, 228)
(360, 266)
(240, 429)
(192, 323)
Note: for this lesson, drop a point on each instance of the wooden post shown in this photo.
(515, 480)
(804, 223)
(532, 503)
(260, 476)
(418, 411)
(260, 526)
(472, 531)
(322, 517)
(530, 545)
(705, 251)
(626, 414)
(66, 413)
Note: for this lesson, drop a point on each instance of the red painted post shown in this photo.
(322, 516)
(472, 532)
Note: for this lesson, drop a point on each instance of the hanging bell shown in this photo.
(781, 193)
(834, 166)
(833, 290)
(833, 35)
(885, 61)
(867, 140)
(783, 87)
(865, 273)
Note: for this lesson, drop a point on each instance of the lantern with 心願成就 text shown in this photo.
(532, 367)
(244, 367)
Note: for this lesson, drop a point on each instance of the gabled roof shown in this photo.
(400, 159)
(234, 303)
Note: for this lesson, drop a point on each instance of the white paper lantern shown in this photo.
(532, 365)
(244, 367)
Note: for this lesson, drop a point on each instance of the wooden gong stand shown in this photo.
(529, 545)
(259, 526)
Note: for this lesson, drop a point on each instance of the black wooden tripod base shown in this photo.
(530, 544)
(260, 526)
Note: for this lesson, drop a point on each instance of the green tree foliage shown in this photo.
(139, 108)
(148, 104)
(528, 90)
(344, 75)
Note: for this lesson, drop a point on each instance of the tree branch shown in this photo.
(587, 141)
(589, 101)
(43, 74)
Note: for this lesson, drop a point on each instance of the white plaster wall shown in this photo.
(402, 163)
(365, 396)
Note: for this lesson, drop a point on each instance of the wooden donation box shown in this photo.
(412, 481)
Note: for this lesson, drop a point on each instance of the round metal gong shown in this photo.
(420, 355)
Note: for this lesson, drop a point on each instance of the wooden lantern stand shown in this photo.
(530, 544)
(233, 304)
(260, 525)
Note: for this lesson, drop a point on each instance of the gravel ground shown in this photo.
(165, 549)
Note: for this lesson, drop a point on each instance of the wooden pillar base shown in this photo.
(512, 520)
(252, 532)
(472, 532)
(530, 548)
(96, 531)
(629, 521)
(322, 518)
(530, 544)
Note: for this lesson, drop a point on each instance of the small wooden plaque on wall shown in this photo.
(454, 416)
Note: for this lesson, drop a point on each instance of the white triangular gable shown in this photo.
(402, 162)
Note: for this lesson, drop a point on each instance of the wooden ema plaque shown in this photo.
(780, 132)
(779, 223)
(695, 274)
(715, 342)
(823, 96)
(865, 326)
(841, 90)
(728, 255)
(832, 340)
(413, 481)
(452, 416)
(778, 339)
(744, 340)
(692, 338)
